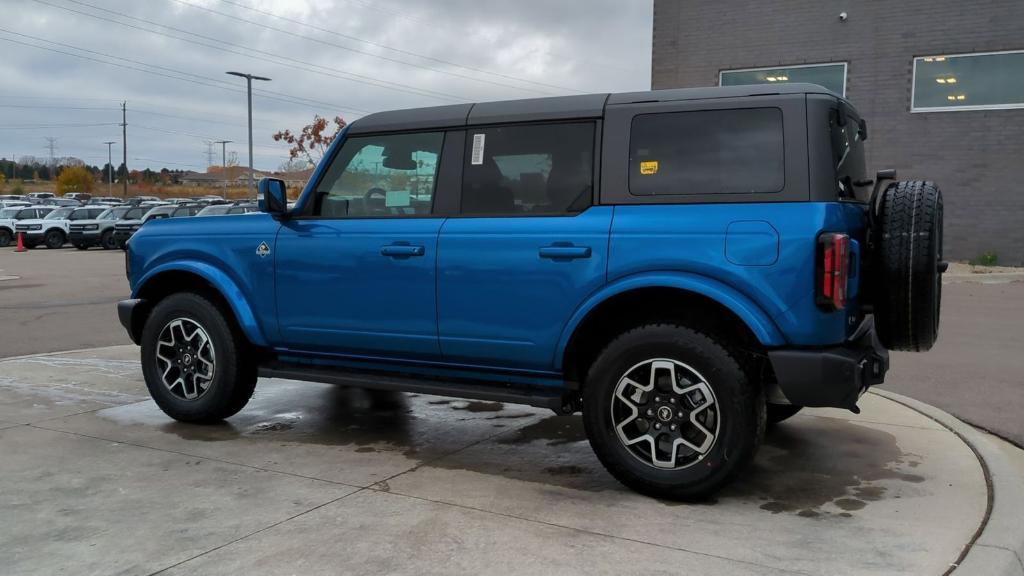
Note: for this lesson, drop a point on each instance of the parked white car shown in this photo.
(52, 230)
(10, 216)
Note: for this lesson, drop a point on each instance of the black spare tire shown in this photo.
(908, 265)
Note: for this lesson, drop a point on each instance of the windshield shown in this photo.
(134, 213)
(113, 213)
(59, 214)
(9, 212)
(83, 214)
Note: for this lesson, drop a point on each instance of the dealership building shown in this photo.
(940, 82)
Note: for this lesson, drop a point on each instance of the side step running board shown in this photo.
(531, 396)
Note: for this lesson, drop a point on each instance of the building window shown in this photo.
(707, 152)
(831, 76)
(968, 82)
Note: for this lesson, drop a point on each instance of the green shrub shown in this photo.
(989, 258)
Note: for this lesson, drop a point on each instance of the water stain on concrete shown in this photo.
(811, 467)
(553, 430)
(477, 407)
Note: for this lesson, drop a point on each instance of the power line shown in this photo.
(41, 126)
(364, 52)
(386, 47)
(205, 80)
(334, 72)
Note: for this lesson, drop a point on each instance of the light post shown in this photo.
(110, 170)
(248, 84)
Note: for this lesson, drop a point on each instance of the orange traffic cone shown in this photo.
(21, 244)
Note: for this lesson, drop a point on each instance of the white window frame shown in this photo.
(790, 66)
(922, 109)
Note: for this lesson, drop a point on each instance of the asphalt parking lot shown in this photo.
(314, 478)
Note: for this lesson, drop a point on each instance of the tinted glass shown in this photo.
(9, 213)
(707, 152)
(388, 175)
(973, 80)
(848, 157)
(831, 76)
(529, 169)
(134, 213)
(59, 214)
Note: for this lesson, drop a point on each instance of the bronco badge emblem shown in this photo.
(262, 250)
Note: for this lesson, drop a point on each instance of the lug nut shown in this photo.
(679, 414)
(657, 399)
(657, 426)
(650, 412)
(672, 427)
(671, 400)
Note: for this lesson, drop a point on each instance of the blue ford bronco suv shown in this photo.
(682, 266)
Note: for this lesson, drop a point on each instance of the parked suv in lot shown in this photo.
(52, 230)
(9, 217)
(684, 266)
(99, 231)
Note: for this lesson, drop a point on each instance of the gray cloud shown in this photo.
(530, 47)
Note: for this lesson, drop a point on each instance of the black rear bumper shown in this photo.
(832, 377)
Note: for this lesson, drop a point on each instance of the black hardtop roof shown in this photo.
(556, 107)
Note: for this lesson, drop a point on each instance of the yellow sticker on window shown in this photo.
(649, 167)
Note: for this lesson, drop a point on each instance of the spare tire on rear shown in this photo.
(908, 266)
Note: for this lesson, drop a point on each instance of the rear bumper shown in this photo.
(832, 377)
(128, 314)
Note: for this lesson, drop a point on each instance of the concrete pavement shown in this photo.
(312, 478)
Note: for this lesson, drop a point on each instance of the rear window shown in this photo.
(848, 157)
(707, 152)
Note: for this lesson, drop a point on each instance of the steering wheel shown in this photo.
(375, 191)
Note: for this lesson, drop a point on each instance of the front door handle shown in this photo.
(402, 250)
(565, 252)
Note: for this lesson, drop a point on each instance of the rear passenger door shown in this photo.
(526, 247)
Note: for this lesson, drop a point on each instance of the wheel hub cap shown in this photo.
(665, 414)
(185, 358)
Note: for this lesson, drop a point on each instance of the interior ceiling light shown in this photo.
(929, 59)
(783, 78)
(770, 78)
(950, 97)
(940, 59)
(940, 80)
(961, 97)
(951, 80)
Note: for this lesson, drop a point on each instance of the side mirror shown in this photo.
(274, 199)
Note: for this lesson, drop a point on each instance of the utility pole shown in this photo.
(224, 159)
(124, 145)
(110, 169)
(51, 144)
(248, 83)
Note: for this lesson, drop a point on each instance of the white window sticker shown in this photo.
(477, 157)
(396, 198)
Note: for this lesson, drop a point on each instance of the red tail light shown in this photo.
(832, 270)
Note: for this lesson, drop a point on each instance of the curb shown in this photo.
(998, 547)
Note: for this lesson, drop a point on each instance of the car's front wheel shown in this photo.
(5, 238)
(54, 239)
(107, 240)
(196, 365)
(670, 412)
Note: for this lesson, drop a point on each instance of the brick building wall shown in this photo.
(976, 157)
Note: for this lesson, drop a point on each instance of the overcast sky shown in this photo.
(327, 57)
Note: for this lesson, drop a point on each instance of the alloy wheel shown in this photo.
(185, 357)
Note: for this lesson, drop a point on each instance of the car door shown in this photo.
(356, 267)
(526, 248)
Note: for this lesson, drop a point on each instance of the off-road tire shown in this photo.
(907, 265)
(54, 239)
(740, 403)
(778, 412)
(5, 238)
(235, 371)
(107, 240)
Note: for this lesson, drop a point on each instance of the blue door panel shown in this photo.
(359, 286)
(507, 286)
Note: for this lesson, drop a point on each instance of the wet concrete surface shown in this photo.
(94, 475)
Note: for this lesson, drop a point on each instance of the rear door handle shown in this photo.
(565, 252)
(402, 250)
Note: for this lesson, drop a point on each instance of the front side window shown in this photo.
(529, 169)
(707, 152)
(385, 175)
(831, 76)
(968, 82)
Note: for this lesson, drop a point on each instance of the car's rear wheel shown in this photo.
(197, 366)
(54, 239)
(5, 238)
(778, 412)
(907, 265)
(670, 412)
(107, 240)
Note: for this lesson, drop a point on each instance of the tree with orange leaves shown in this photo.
(314, 139)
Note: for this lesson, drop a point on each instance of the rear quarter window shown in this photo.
(739, 151)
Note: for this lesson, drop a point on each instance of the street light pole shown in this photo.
(110, 170)
(248, 84)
